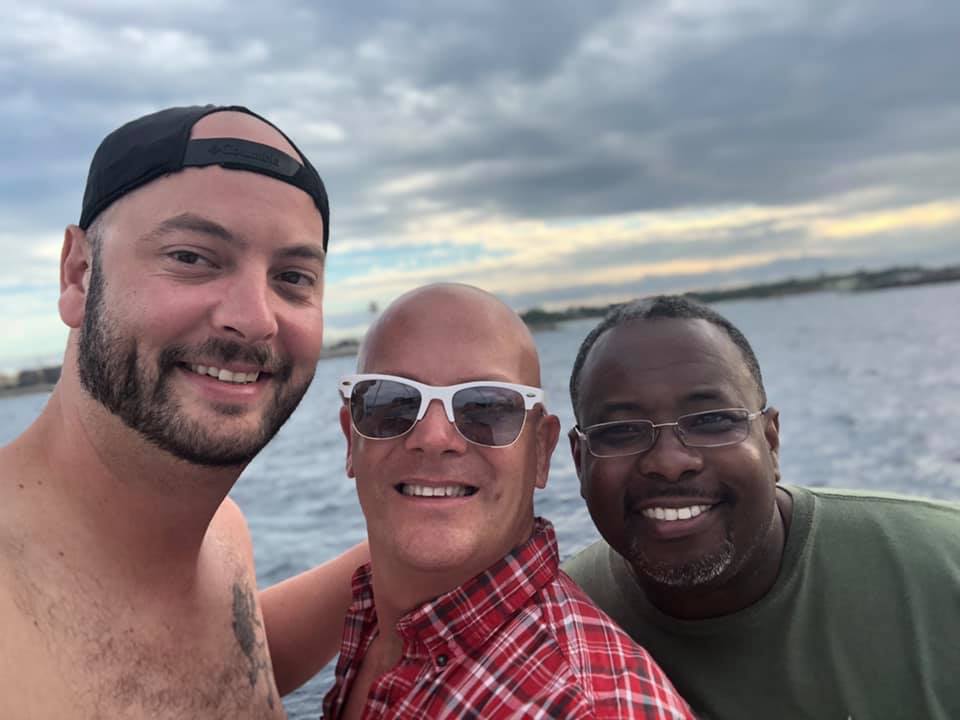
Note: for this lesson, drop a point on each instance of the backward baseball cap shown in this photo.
(159, 144)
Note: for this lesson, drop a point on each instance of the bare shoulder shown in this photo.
(230, 530)
(230, 519)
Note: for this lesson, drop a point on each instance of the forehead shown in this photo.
(443, 340)
(664, 365)
(249, 206)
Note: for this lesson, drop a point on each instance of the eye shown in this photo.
(619, 433)
(188, 257)
(295, 277)
(719, 421)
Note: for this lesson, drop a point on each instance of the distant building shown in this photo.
(50, 374)
(26, 378)
(41, 376)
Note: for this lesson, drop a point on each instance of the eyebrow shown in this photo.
(619, 407)
(191, 222)
(699, 395)
(305, 252)
(705, 394)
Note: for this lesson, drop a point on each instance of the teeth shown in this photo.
(431, 491)
(671, 514)
(225, 375)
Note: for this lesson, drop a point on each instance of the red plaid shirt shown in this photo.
(520, 640)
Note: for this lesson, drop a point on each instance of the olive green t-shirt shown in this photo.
(863, 622)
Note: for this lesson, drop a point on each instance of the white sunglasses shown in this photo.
(485, 412)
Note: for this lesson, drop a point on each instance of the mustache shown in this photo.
(650, 491)
(227, 351)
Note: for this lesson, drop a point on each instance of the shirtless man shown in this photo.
(193, 290)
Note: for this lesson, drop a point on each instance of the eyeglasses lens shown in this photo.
(384, 409)
(714, 428)
(489, 415)
(623, 438)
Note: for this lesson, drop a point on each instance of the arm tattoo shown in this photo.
(245, 627)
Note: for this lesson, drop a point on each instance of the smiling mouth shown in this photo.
(671, 514)
(414, 490)
(224, 375)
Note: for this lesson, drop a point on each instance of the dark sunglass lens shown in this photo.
(489, 415)
(383, 408)
(622, 438)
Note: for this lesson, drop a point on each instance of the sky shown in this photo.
(555, 153)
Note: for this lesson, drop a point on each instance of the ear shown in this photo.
(576, 451)
(75, 265)
(347, 429)
(548, 432)
(771, 434)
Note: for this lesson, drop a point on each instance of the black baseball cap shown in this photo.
(158, 144)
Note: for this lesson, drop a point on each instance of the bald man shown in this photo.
(462, 611)
(192, 287)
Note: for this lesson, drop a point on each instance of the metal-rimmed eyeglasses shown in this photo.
(710, 428)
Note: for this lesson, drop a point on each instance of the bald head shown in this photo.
(453, 325)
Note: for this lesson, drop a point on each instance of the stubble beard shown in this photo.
(705, 569)
(138, 392)
(700, 571)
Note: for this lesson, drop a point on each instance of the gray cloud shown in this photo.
(522, 110)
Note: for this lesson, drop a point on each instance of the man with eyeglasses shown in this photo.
(462, 611)
(758, 599)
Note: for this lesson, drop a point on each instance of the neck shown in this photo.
(401, 585)
(398, 590)
(114, 496)
(746, 586)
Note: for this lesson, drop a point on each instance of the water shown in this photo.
(867, 386)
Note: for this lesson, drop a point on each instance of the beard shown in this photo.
(727, 558)
(138, 392)
(693, 573)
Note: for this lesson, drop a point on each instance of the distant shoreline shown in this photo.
(25, 390)
(345, 349)
(855, 282)
(538, 319)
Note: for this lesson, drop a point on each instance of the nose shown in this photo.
(435, 433)
(245, 309)
(669, 459)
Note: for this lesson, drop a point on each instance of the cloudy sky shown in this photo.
(555, 152)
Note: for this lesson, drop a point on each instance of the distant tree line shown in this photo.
(860, 281)
(29, 378)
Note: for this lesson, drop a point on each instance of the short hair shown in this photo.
(677, 307)
(96, 231)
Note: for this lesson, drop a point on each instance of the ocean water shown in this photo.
(868, 388)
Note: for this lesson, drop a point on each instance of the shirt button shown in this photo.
(442, 660)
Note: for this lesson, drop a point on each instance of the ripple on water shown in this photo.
(867, 387)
